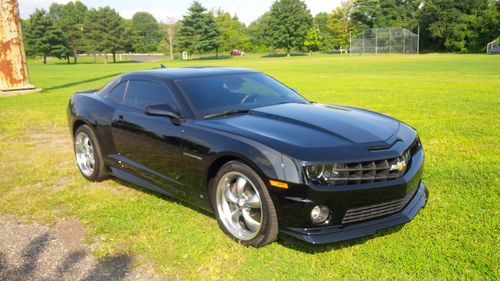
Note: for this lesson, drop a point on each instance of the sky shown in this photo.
(246, 10)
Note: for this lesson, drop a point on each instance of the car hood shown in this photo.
(293, 126)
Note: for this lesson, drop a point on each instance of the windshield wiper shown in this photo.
(225, 113)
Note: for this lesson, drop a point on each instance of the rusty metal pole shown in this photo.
(14, 77)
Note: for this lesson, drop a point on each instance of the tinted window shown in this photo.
(216, 94)
(141, 94)
(116, 94)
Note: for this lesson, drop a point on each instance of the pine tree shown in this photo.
(289, 22)
(105, 31)
(145, 32)
(199, 32)
(44, 38)
(70, 19)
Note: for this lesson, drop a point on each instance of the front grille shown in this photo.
(376, 210)
(372, 171)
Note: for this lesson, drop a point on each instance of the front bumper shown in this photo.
(331, 234)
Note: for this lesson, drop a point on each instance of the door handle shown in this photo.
(119, 119)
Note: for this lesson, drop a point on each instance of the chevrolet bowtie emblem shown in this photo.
(399, 166)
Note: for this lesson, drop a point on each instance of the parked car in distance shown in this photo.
(236, 52)
(242, 145)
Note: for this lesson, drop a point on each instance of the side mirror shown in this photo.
(162, 110)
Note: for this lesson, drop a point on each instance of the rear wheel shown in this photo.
(88, 154)
(243, 206)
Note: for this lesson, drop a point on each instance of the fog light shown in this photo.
(319, 214)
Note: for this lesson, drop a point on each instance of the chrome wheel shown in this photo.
(239, 205)
(84, 151)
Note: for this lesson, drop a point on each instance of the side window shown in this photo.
(141, 93)
(117, 93)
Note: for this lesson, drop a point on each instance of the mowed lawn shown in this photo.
(453, 101)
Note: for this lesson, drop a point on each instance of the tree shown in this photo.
(257, 32)
(458, 25)
(320, 21)
(312, 40)
(199, 32)
(145, 32)
(487, 27)
(70, 19)
(43, 37)
(366, 13)
(105, 31)
(171, 28)
(233, 33)
(385, 13)
(339, 25)
(289, 22)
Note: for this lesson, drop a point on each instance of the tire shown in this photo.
(88, 155)
(250, 220)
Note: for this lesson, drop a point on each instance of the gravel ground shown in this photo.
(37, 252)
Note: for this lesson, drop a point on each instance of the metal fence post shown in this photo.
(390, 40)
(350, 43)
(376, 41)
(363, 42)
(418, 40)
(404, 40)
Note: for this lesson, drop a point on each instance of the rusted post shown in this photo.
(14, 77)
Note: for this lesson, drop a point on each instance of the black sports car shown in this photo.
(240, 144)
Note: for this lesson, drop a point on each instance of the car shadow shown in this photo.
(110, 268)
(299, 245)
(81, 82)
(284, 240)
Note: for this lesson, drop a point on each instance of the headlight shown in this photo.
(331, 173)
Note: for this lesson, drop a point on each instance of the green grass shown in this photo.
(453, 100)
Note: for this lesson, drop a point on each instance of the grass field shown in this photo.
(453, 100)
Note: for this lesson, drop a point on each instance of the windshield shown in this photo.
(216, 94)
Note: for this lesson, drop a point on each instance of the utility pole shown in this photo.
(14, 77)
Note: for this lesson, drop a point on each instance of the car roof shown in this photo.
(191, 72)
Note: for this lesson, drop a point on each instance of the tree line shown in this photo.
(66, 30)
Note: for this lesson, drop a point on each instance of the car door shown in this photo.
(149, 146)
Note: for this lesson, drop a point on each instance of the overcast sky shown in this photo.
(247, 10)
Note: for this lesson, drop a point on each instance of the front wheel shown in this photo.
(243, 206)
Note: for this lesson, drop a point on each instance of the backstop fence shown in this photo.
(493, 47)
(385, 40)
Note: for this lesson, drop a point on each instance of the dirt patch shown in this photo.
(37, 252)
(54, 141)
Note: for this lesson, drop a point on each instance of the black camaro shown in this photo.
(239, 143)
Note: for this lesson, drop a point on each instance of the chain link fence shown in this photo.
(385, 41)
(493, 47)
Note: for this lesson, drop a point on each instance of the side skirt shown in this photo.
(121, 174)
(135, 180)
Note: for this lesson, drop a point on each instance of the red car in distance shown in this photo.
(236, 52)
